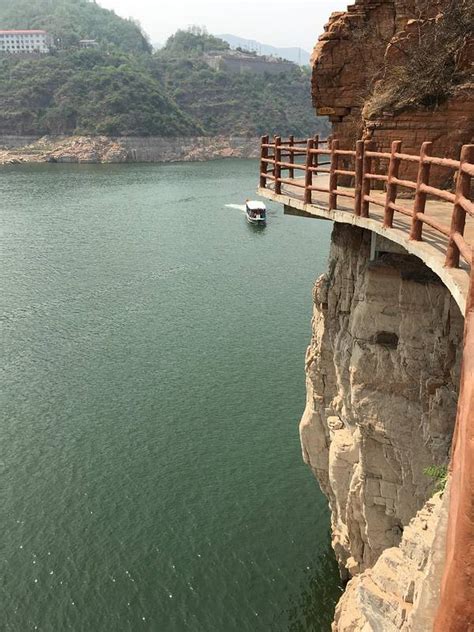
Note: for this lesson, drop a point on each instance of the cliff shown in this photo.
(401, 592)
(382, 385)
(101, 149)
(398, 70)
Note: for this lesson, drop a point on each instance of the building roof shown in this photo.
(28, 32)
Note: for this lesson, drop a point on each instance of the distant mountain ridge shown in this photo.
(294, 54)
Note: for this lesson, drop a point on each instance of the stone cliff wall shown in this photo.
(156, 149)
(101, 149)
(382, 380)
(401, 592)
(361, 66)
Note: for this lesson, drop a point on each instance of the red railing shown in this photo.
(369, 166)
(456, 606)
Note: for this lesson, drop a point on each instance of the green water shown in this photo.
(152, 381)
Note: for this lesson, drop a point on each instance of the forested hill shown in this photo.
(69, 21)
(122, 88)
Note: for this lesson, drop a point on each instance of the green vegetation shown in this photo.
(68, 21)
(86, 92)
(246, 103)
(121, 88)
(439, 476)
(194, 41)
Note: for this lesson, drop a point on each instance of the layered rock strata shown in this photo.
(101, 149)
(359, 59)
(401, 591)
(382, 379)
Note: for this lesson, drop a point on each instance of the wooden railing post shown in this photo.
(367, 168)
(393, 172)
(263, 163)
(308, 174)
(291, 155)
(420, 196)
(316, 156)
(277, 165)
(458, 220)
(359, 173)
(333, 175)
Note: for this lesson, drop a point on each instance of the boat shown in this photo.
(256, 212)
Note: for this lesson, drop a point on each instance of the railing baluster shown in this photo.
(277, 165)
(333, 176)
(291, 155)
(369, 145)
(393, 172)
(316, 156)
(458, 221)
(364, 173)
(308, 174)
(263, 163)
(359, 171)
(420, 196)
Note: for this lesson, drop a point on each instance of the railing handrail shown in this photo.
(286, 157)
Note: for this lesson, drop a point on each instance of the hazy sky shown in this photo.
(278, 22)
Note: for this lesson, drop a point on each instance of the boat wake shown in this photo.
(237, 207)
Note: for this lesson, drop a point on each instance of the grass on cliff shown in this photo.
(439, 476)
(433, 63)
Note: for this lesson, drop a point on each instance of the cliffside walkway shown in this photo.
(367, 188)
(310, 178)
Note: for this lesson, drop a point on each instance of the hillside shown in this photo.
(71, 20)
(224, 102)
(122, 89)
(86, 92)
(296, 55)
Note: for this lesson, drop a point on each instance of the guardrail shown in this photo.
(368, 166)
(456, 605)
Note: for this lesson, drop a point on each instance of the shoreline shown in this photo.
(18, 150)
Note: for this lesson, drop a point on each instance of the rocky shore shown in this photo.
(103, 149)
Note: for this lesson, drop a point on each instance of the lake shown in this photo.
(152, 366)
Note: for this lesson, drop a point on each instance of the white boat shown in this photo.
(256, 212)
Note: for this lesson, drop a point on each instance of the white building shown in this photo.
(25, 42)
(88, 43)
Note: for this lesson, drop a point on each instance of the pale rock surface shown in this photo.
(401, 591)
(382, 377)
(102, 149)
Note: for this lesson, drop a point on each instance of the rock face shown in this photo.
(190, 149)
(362, 66)
(382, 378)
(78, 149)
(101, 149)
(401, 591)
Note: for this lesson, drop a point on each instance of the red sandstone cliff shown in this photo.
(398, 70)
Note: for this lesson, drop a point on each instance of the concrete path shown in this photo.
(432, 250)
